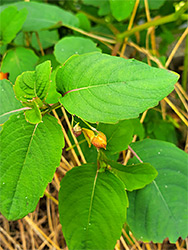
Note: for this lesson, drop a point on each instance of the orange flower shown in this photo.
(98, 139)
(3, 75)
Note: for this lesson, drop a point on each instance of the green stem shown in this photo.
(185, 70)
(167, 19)
(100, 38)
(184, 17)
(93, 18)
(73, 146)
(100, 21)
(92, 128)
(53, 107)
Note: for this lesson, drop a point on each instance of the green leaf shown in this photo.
(47, 39)
(33, 84)
(108, 89)
(135, 176)
(3, 49)
(159, 129)
(33, 115)
(50, 57)
(11, 22)
(160, 209)
(92, 208)
(138, 128)
(84, 22)
(17, 61)
(153, 4)
(119, 135)
(104, 8)
(95, 3)
(29, 157)
(8, 103)
(71, 45)
(121, 9)
(53, 96)
(43, 16)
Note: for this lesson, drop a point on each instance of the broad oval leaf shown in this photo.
(92, 208)
(135, 176)
(71, 45)
(102, 88)
(8, 103)
(160, 209)
(33, 84)
(84, 22)
(121, 9)
(29, 157)
(17, 61)
(43, 16)
(11, 22)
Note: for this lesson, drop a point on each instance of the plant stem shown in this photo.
(156, 22)
(53, 107)
(100, 38)
(73, 146)
(73, 136)
(176, 48)
(39, 43)
(135, 154)
(92, 128)
(185, 70)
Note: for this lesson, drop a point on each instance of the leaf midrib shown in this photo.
(91, 204)
(164, 201)
(111, 83)
(28, 149)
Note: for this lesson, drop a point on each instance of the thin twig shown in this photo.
(66, 163)
(39, 43)
(6, 243)
(40, 233)
(51, 197)
(22, 234)
(127, 237)
(73, 136)
(146, 52)
(67, 139)
(181, 98)
(182, 90)
(161, 20)
(176, 110)
(91, 35)
(136, 242)
(185, 65)
(176, 48)
(16, 244)
(124, 243)
(129, 27)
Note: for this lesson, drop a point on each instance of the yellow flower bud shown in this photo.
(89, 135)
(98, 140)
